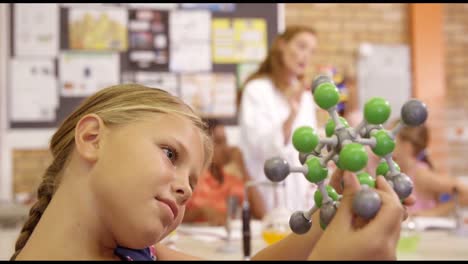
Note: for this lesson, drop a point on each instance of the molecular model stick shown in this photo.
(345, 146)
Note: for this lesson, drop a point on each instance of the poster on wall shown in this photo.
(238, 40)
(98, 29)
(92, 5)
(159, 6)
(162, 80)
(218, 7)
(28, 165)
(223, 42)
(43, 41)
(127, 77)
(251, 39)
(148, 40)
(190, 41)
(84, 73)
(212, 95)
(34, 95)
(244, 70)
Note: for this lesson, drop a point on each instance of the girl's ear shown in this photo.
(88, 136)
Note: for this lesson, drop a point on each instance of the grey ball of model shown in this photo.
(276, 169)
(402, 185)
(298, 223)
(414, 113)
(366, 203)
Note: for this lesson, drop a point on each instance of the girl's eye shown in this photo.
(170, 153)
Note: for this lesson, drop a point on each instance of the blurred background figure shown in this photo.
(434, 191)
(275, 100)
(225, 178)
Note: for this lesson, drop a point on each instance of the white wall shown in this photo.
(4, 183)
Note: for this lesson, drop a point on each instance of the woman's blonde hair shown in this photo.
(273, 65)
(119, 104)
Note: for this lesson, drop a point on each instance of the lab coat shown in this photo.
(262, 113)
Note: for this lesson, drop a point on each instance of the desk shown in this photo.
(208, 242)
(432, 245)
(438, 245)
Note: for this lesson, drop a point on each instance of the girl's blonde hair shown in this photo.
(119, 104)
(418, 136)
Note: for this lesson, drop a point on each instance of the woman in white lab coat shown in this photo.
(275, 100)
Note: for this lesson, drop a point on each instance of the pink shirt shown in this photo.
(422, 202)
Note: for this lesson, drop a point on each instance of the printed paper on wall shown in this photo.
(148, 40)
(33, 93)
(190, 41)
(98, 29)
(84, 73)
(43, 41)
(162, 80)
(211, 95)
(239, 40)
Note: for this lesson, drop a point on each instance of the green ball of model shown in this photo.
(339, 164)
(316, 172)
(353, 157)
(376, 111)
(330, 126)
(385, 144)
(366, 179)
(326, 95)
(383, 168)
(318, 198)
(304, 139)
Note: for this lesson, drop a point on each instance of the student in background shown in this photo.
(275, 100)
(209, 200)
(429, 185)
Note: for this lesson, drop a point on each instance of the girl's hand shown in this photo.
(375, 240)
(337, 177)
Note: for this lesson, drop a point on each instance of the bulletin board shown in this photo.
(61, 53)
(384, 70)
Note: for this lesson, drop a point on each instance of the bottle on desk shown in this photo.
(275, 224)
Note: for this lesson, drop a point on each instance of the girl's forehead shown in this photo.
(166, 118)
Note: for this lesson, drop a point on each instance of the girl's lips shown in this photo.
(172, 206)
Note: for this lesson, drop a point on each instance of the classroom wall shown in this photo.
(341, 27)
(428, 73)
(4, 182)
(456, 65)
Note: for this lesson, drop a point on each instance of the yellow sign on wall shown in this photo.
(238, 40)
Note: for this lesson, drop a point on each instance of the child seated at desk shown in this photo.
(208, 203)
(429, 185)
